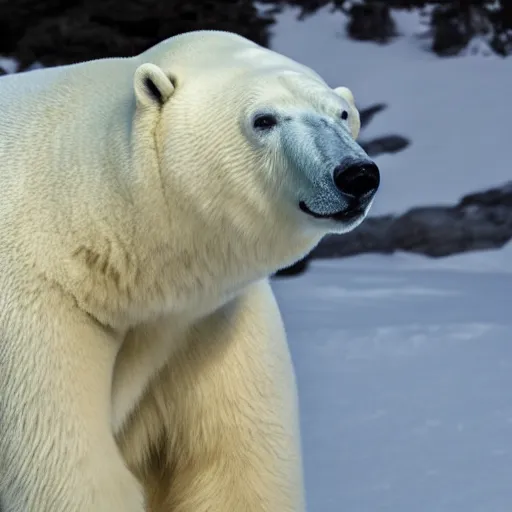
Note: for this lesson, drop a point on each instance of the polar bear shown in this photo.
(144, 202)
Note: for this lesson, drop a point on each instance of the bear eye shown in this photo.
(264, 122)
(344, 115)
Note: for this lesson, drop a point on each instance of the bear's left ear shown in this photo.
(353, 118)
(152, 86)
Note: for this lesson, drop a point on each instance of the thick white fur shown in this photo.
(143, 361)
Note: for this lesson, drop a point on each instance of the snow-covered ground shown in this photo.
(404, 364)
(405, 382)
(456, 111)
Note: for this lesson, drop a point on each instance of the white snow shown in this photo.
(405, 383)
(456, 111)
(404, 363)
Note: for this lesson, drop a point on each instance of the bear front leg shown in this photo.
(222, 419)
(57, 450)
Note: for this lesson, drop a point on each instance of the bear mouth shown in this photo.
(349, 214)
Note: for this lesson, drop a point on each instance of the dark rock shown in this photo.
(493, 197)
(366, 114)
(379, 145)
(370, 236)
(449, 31)
(479, 221)
(371, 21)
(387, 144)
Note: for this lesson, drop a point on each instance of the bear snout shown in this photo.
(359, 180)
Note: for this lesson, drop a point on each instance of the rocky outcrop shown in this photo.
(386, 144)
(479, 221)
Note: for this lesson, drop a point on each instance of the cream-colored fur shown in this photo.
(143, 361)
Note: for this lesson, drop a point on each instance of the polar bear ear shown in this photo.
(353, 118)
(152, 86)
(346, 94)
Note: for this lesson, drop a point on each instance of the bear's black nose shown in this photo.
(358, 179)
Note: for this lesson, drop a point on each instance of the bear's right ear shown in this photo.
(152, 86)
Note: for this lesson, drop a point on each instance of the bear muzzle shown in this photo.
(358, 183)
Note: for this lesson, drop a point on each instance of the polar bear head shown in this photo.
(255, 142)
